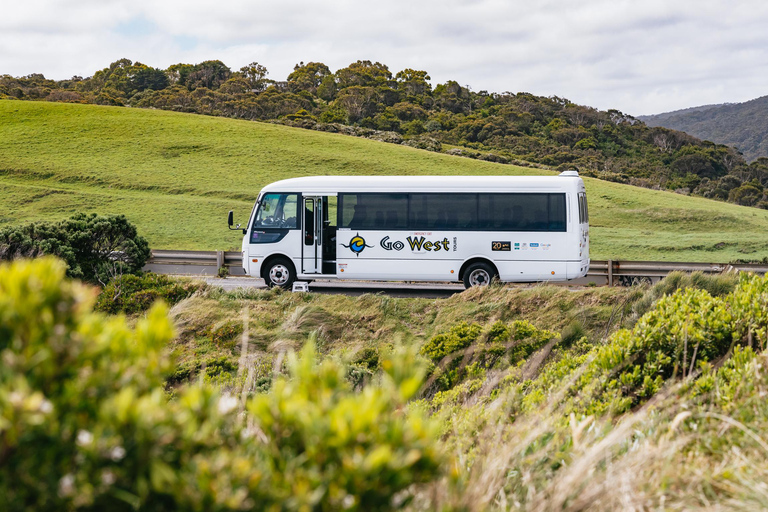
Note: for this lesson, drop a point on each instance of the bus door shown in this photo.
(312, 240)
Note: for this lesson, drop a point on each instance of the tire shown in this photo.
(280, 273)
(479, 274)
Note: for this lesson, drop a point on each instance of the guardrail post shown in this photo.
(610, 272)
(219, 259)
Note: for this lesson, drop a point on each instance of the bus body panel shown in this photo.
(440, 255)
(289, 247)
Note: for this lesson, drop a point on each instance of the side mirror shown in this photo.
(231, 220)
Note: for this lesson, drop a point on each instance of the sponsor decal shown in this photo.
(501, 246)
(534, 245)
(517, 246)
(357, 244)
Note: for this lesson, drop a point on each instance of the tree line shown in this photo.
(367, 99)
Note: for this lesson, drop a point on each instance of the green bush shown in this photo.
(717, 285)
(85, 422)
(684, 333)
(135, 294)
(467, 349)
(95, 248)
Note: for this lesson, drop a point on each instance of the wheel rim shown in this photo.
(479, 277)
(279, 274)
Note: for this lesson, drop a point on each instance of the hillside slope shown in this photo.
(176, 176)
(741, 125)
(405, 108)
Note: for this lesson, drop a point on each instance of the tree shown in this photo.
(358, 102)
(210, 74)
(363, 73)
(308, 77)
(256, 75)
(178, 73)
(95, 248)
(413, 82)
(143, 77)
(328, 88)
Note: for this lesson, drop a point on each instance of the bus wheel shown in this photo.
(478, 274)
(280, 273)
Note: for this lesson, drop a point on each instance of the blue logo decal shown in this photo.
(357, 244)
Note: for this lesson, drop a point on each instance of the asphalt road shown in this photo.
(423, 290)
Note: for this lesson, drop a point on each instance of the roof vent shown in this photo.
(570, 173)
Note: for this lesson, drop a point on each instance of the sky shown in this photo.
(640, 56)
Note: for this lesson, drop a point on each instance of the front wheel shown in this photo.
(280, 272)
(479, 274)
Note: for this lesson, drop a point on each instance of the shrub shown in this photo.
(85, 422)
(717, 285)
(95, 248)
(135, 294)
(466, 349)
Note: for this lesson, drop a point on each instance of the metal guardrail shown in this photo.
(601, 272)
(205, 258)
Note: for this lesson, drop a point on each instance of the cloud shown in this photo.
(639, 57)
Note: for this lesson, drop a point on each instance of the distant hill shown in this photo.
(741, 125)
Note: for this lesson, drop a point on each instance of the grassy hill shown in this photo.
(176, 176)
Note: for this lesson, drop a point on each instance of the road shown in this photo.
(423, 290)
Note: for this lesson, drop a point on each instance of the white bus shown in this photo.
(419, 228)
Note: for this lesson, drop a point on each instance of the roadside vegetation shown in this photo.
(500, 398)
(95, 248)
(175, 176)
(367, 99)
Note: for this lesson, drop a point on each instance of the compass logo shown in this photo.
(357, 244)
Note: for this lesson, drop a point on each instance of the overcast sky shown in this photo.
(640, 56)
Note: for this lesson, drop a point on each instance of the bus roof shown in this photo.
(332, 184)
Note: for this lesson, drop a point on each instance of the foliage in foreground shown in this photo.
(669, 413)
(132, 294)
(85, 421)
(95, 248)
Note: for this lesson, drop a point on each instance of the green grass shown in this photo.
(176, 176)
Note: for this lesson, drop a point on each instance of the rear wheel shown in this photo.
(280, 272)
(479, 274)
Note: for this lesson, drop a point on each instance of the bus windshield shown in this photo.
(277, 211)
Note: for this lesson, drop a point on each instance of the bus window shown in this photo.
(277, 211)
(522, 212)
(583, 210)
(374, 211)
(309, 221)
(557, 214)
(330, 214)
(443, 211)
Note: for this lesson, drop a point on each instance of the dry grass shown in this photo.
(678, 451)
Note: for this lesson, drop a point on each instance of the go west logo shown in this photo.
(357, 244)
(416, 243)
